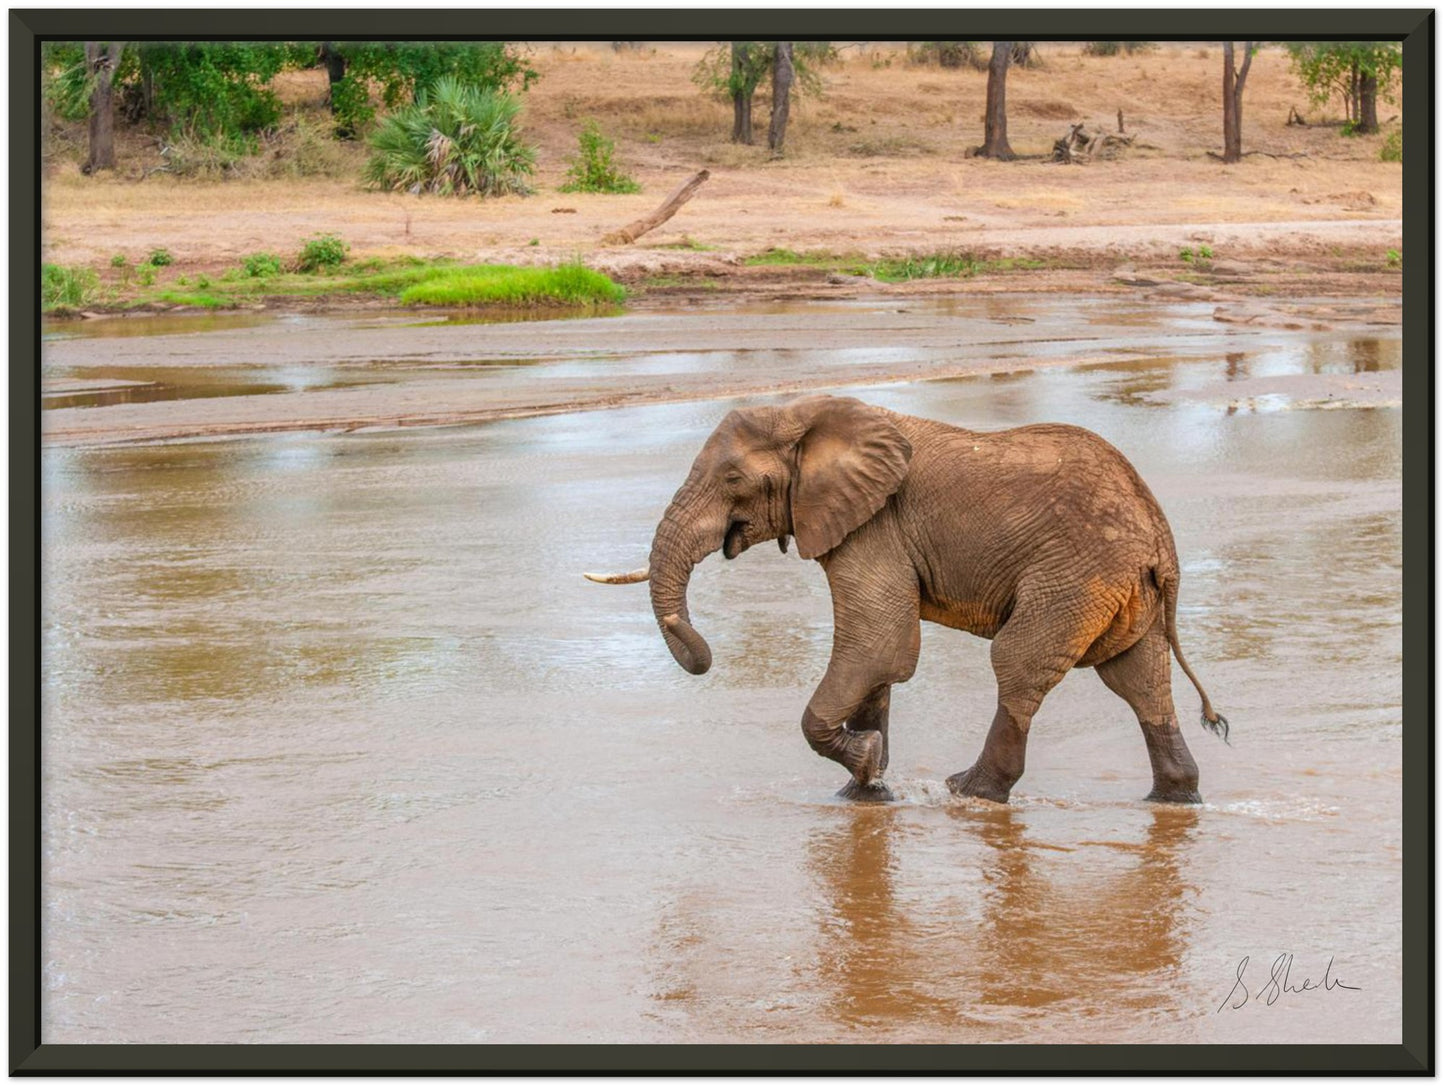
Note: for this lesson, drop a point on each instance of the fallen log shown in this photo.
(630, 233)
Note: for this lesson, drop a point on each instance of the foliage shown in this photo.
(1111, 49)
(159, 258)
(1330, 68)
(1393, 149)
(65, 79)
(1392, 258)
(592, 169)
(715, 74)
(400, 71)
(118, 261)
(322, 251)
(64, 287)
(457, 139)
(258, 265)
(206, 89)
(568, 284)
(948, 54)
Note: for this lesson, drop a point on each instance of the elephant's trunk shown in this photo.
(686, 535)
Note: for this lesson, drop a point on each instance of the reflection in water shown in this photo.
(878, 959)
(1105, 928)
(1094, 924)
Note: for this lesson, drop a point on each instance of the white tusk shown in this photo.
(619, 579)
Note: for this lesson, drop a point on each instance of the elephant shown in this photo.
(1042, 538)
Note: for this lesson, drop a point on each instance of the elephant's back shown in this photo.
(1042, 494)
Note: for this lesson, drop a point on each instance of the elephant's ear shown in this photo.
(850, 459)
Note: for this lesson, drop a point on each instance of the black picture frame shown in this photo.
(30, 1056)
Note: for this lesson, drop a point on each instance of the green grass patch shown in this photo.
(502, 285)
(901, 269)
(203, 300)
(790, 256)
(63, 287)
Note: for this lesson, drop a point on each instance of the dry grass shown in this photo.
(880, 160)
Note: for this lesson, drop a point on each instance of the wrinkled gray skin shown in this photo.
(1043, 539)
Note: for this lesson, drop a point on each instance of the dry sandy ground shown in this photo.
(877, 166)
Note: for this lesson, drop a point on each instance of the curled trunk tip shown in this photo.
(688, 646)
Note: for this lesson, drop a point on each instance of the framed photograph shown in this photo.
(993, 464)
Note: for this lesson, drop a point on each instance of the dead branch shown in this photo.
(630, 233)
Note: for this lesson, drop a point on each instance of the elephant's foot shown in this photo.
(1176, 777)
(1175, 793)
(872, 792)
(980, 782)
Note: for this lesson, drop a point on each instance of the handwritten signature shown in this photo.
(1279, 983)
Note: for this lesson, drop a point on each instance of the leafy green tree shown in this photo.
(735, 70)
(1357, 71)
(400, 70)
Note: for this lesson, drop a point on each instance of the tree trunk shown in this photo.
(995, 117)
(1234, 100)
(1367, 120)
(101, 58)
(335, 72)
(782, 92)
(742, 95)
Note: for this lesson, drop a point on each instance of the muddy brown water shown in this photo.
(338, 746)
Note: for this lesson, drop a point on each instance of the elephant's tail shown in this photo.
(1168, 582)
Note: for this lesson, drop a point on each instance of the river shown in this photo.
(338, 745)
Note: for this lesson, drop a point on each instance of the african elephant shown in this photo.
(1042, 538)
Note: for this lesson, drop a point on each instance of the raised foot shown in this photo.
(1175, 794)
(875, 792)
(974, 782)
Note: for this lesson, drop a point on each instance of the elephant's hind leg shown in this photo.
(1043, 638)
(1140, 676)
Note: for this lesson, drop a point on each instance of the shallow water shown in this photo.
(339, 746)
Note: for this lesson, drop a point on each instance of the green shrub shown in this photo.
(1206, 252)
(159, 258)
(947, 54)
(457, 139)
(66, 287)
(1392, 258)
(1111, 49)
(568, 284)
(118, 261)
(1393, 149)
(259, 265)
(145, 274)
(322, 251)
(591, 170)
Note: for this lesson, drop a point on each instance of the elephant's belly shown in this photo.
(975, 617)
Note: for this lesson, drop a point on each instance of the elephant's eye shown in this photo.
(733, 478)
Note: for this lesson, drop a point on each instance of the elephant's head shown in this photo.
(814, 469)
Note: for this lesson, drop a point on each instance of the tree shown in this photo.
(1358, 71)
(995, 117)
(101, 61)
(782, 91)
(742, 82)
(734, 72)
(1234, 99)
(402, 70)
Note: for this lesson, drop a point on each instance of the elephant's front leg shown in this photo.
(872, 716)
(875, 644)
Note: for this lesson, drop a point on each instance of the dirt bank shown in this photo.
(878, 166)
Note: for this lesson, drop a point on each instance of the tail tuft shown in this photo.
(1219, 726)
